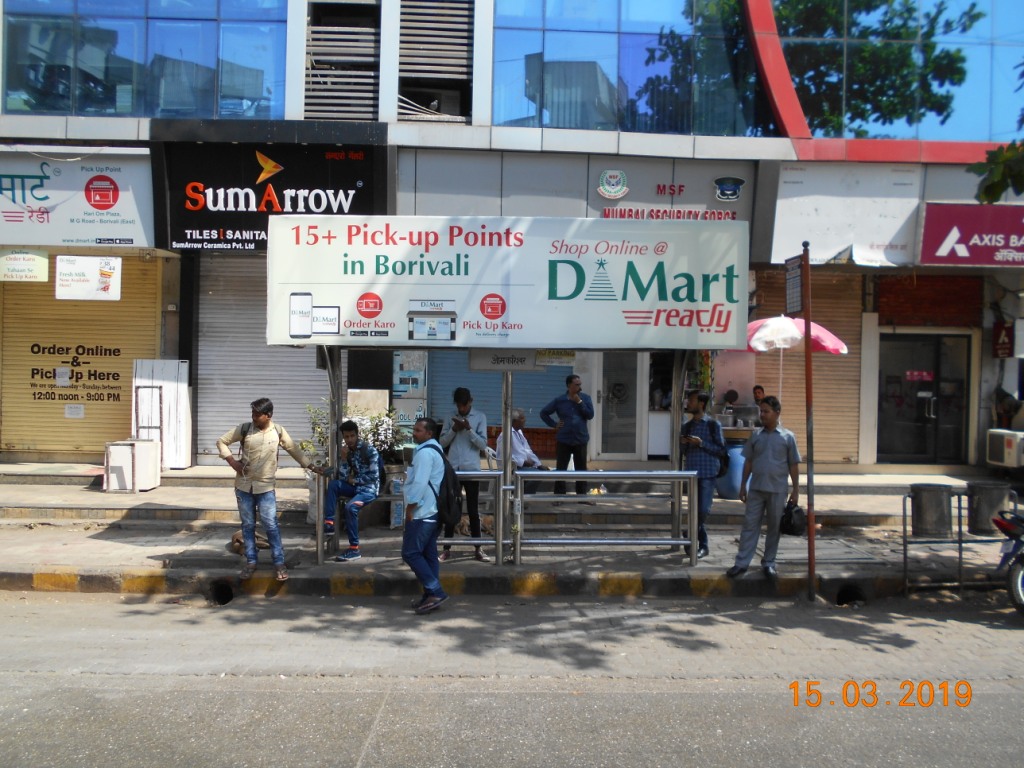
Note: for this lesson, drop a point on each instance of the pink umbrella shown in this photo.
(785, 332)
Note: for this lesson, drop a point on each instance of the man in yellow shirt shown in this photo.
(255, 475)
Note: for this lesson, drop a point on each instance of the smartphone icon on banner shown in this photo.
(300, 315)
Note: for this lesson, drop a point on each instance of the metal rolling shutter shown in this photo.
(31, 315)
(234, 364)
(531, 391)
(836, 304)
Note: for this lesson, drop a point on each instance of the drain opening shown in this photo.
(221, 592)
(850, 594)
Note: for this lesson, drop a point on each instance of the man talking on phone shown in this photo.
(464, 435)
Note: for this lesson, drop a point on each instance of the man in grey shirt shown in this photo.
(770, 459)
(464, 436)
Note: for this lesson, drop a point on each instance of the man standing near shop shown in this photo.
(464, 436)
(359, 482)
(255, 476)
(573, 409)
(703, 445)
(420, 491)
(770, 459)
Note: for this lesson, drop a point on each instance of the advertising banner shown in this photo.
(221, 196)
(973, 235)
(76, 196)
(515, 283)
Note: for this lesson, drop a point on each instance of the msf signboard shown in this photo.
(516, 283)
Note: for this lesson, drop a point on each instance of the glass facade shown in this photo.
(145, 58)
(648, 66)
(937, 70)
(934, 70)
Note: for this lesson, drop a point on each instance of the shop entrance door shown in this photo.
(922, 398)
(617, 406)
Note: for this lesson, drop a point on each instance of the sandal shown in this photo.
(282, 573)
(247, 571)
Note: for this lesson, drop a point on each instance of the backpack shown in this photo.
(723, 458)
(449, 496)
(382, 472)
(246, 429)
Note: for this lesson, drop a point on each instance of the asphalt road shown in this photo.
(104, 680)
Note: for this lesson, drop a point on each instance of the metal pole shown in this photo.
(506, 468)
(805, 290)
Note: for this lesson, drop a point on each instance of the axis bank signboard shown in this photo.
(973, 235)
(515, 283)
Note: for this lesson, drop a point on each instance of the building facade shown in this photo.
(847, 129)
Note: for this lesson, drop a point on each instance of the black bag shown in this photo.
(794, 520)
(449, 496)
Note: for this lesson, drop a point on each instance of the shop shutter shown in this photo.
(32, 315)
(531, 390)
(236, 366)
(836, 304)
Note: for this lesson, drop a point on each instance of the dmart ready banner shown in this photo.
(515, 283)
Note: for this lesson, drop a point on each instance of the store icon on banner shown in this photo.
(101, 192)
(369, 305)
(952, 243)
(493, 306)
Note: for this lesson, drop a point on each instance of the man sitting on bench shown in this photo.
(358, 481)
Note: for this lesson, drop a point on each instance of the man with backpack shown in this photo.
(358, 480)
(703, 446)
(423, 485)
(255, 476)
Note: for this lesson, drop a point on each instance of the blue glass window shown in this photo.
(125, 8)
(582, 15)
(517, 96)
(40, 7)
(519, 14)
(254, 10)
(580, 71)
(657, 76)
(251, 71)
(182, 68)
(182, 9)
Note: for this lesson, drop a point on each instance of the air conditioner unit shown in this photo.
(1005, 448)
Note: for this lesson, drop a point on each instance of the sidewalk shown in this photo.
(60, 532)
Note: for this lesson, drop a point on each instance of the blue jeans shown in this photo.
(705, 495)
(343, 489)
(419, 552)
(266, 503)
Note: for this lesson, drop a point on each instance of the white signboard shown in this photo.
(24, 266)
(865, 213)
(76, 196)
(517, 283)
(88, 278)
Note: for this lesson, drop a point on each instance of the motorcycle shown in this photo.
(1011, 525)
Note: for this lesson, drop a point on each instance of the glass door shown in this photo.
(922, 398)
(618, 406)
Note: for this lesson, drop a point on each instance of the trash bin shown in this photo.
(931, 510)
(728, 486)
(985, 500)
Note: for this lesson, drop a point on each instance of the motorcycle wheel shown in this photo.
(1015, 584)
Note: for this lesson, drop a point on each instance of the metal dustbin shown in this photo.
(985, 500)
(931, 510)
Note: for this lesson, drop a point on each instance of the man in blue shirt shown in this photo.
(358, 462)
(770, 459)
(703, 444)
(573, 409)
(464, 435)
(419, 541)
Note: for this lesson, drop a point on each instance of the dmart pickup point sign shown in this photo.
(515, 283)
